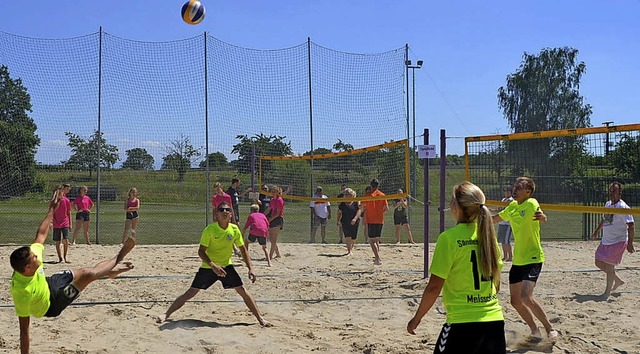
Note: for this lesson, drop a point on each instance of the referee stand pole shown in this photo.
(425, 164)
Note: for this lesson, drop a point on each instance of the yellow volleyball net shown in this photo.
(299, 176)
(572, 168)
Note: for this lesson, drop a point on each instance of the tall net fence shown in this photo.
(172, 118)
(572, 170)
(332, 171)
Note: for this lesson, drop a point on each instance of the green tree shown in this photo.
(216, 159)
(543, 94)
(181, 154)
(85, 152)
(626, 157)
(319, 163)
(18, 139)
(138, 159)
(265, 145)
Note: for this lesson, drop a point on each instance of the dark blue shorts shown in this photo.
(59, 234)
(132, 215)
(277, 222)
(63, 292)
(206, 277)
(261, 240)
(529, 272)
(83, 216)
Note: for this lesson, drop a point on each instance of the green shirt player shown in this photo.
(216, 250)
(36, 295)
(525, 217)
(466, 268)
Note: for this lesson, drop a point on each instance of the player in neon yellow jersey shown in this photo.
(36, 295)
(216, 250)
(466, 268)
(525, 217)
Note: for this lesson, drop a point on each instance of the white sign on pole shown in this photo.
(426, 151)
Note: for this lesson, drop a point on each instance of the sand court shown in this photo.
(318, 301)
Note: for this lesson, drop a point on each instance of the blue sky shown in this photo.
(468, 47)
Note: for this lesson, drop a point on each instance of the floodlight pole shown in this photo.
(414, 186)
(606, 141)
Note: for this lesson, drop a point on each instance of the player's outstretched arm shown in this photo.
(43, 230)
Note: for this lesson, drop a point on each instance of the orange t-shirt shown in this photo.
(375, 208)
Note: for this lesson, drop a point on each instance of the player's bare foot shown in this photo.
(616, 284)
(161, 318)
(264, 323)
(120, 268)
(377, 261)
(66, 261)
(127, 246)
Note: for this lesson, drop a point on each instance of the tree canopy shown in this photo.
(181, 154)
(216, 159)
(138, 159)
(265, 145)
(626, 157)
(85, 152)
(18, 139)
(543, 94)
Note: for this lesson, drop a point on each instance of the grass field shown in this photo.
(183, 223)
(175, 213)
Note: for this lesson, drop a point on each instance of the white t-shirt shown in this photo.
(509, 200)
(321, 208)
(614, 228)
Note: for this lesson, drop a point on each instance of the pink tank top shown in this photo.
(132, 203)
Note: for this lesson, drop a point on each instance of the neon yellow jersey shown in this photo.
(219, 243)
(466, 296)
(31, 294)
(526, 231)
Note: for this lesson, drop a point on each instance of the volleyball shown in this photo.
(192, 12)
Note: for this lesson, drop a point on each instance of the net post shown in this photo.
(425, 163)
(206, 133)
(443, 167)
(99, 136)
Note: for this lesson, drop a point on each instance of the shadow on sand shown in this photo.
(581, 298)
(190, 323)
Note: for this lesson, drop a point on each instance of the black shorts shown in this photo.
(277, 222)
(375, 230)
(236, 212)
(206, 277)
(63, 292)
(400, 219)
(472, 338)
(60, 233)
(529, 272)
(83, 216)
(261, 240)
(132, 215)
(349, 230)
